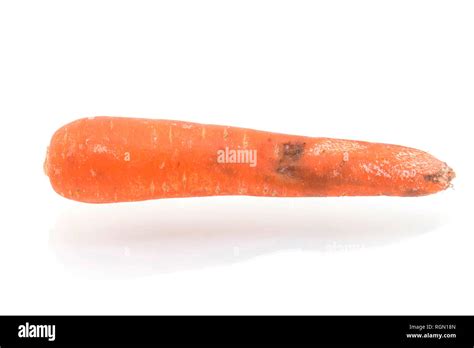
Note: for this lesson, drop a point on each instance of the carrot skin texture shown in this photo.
(118, 159)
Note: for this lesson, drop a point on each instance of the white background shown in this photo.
(387, 71)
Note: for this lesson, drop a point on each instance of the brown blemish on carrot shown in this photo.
(293, 151)
(288, 170)
(433, 177)
(290, 155)
(442, 177)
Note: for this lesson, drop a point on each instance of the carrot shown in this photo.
(114, 159)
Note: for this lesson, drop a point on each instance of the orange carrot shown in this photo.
(114, 159)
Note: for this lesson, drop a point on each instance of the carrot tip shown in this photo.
(443, 177)
(450, 175)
